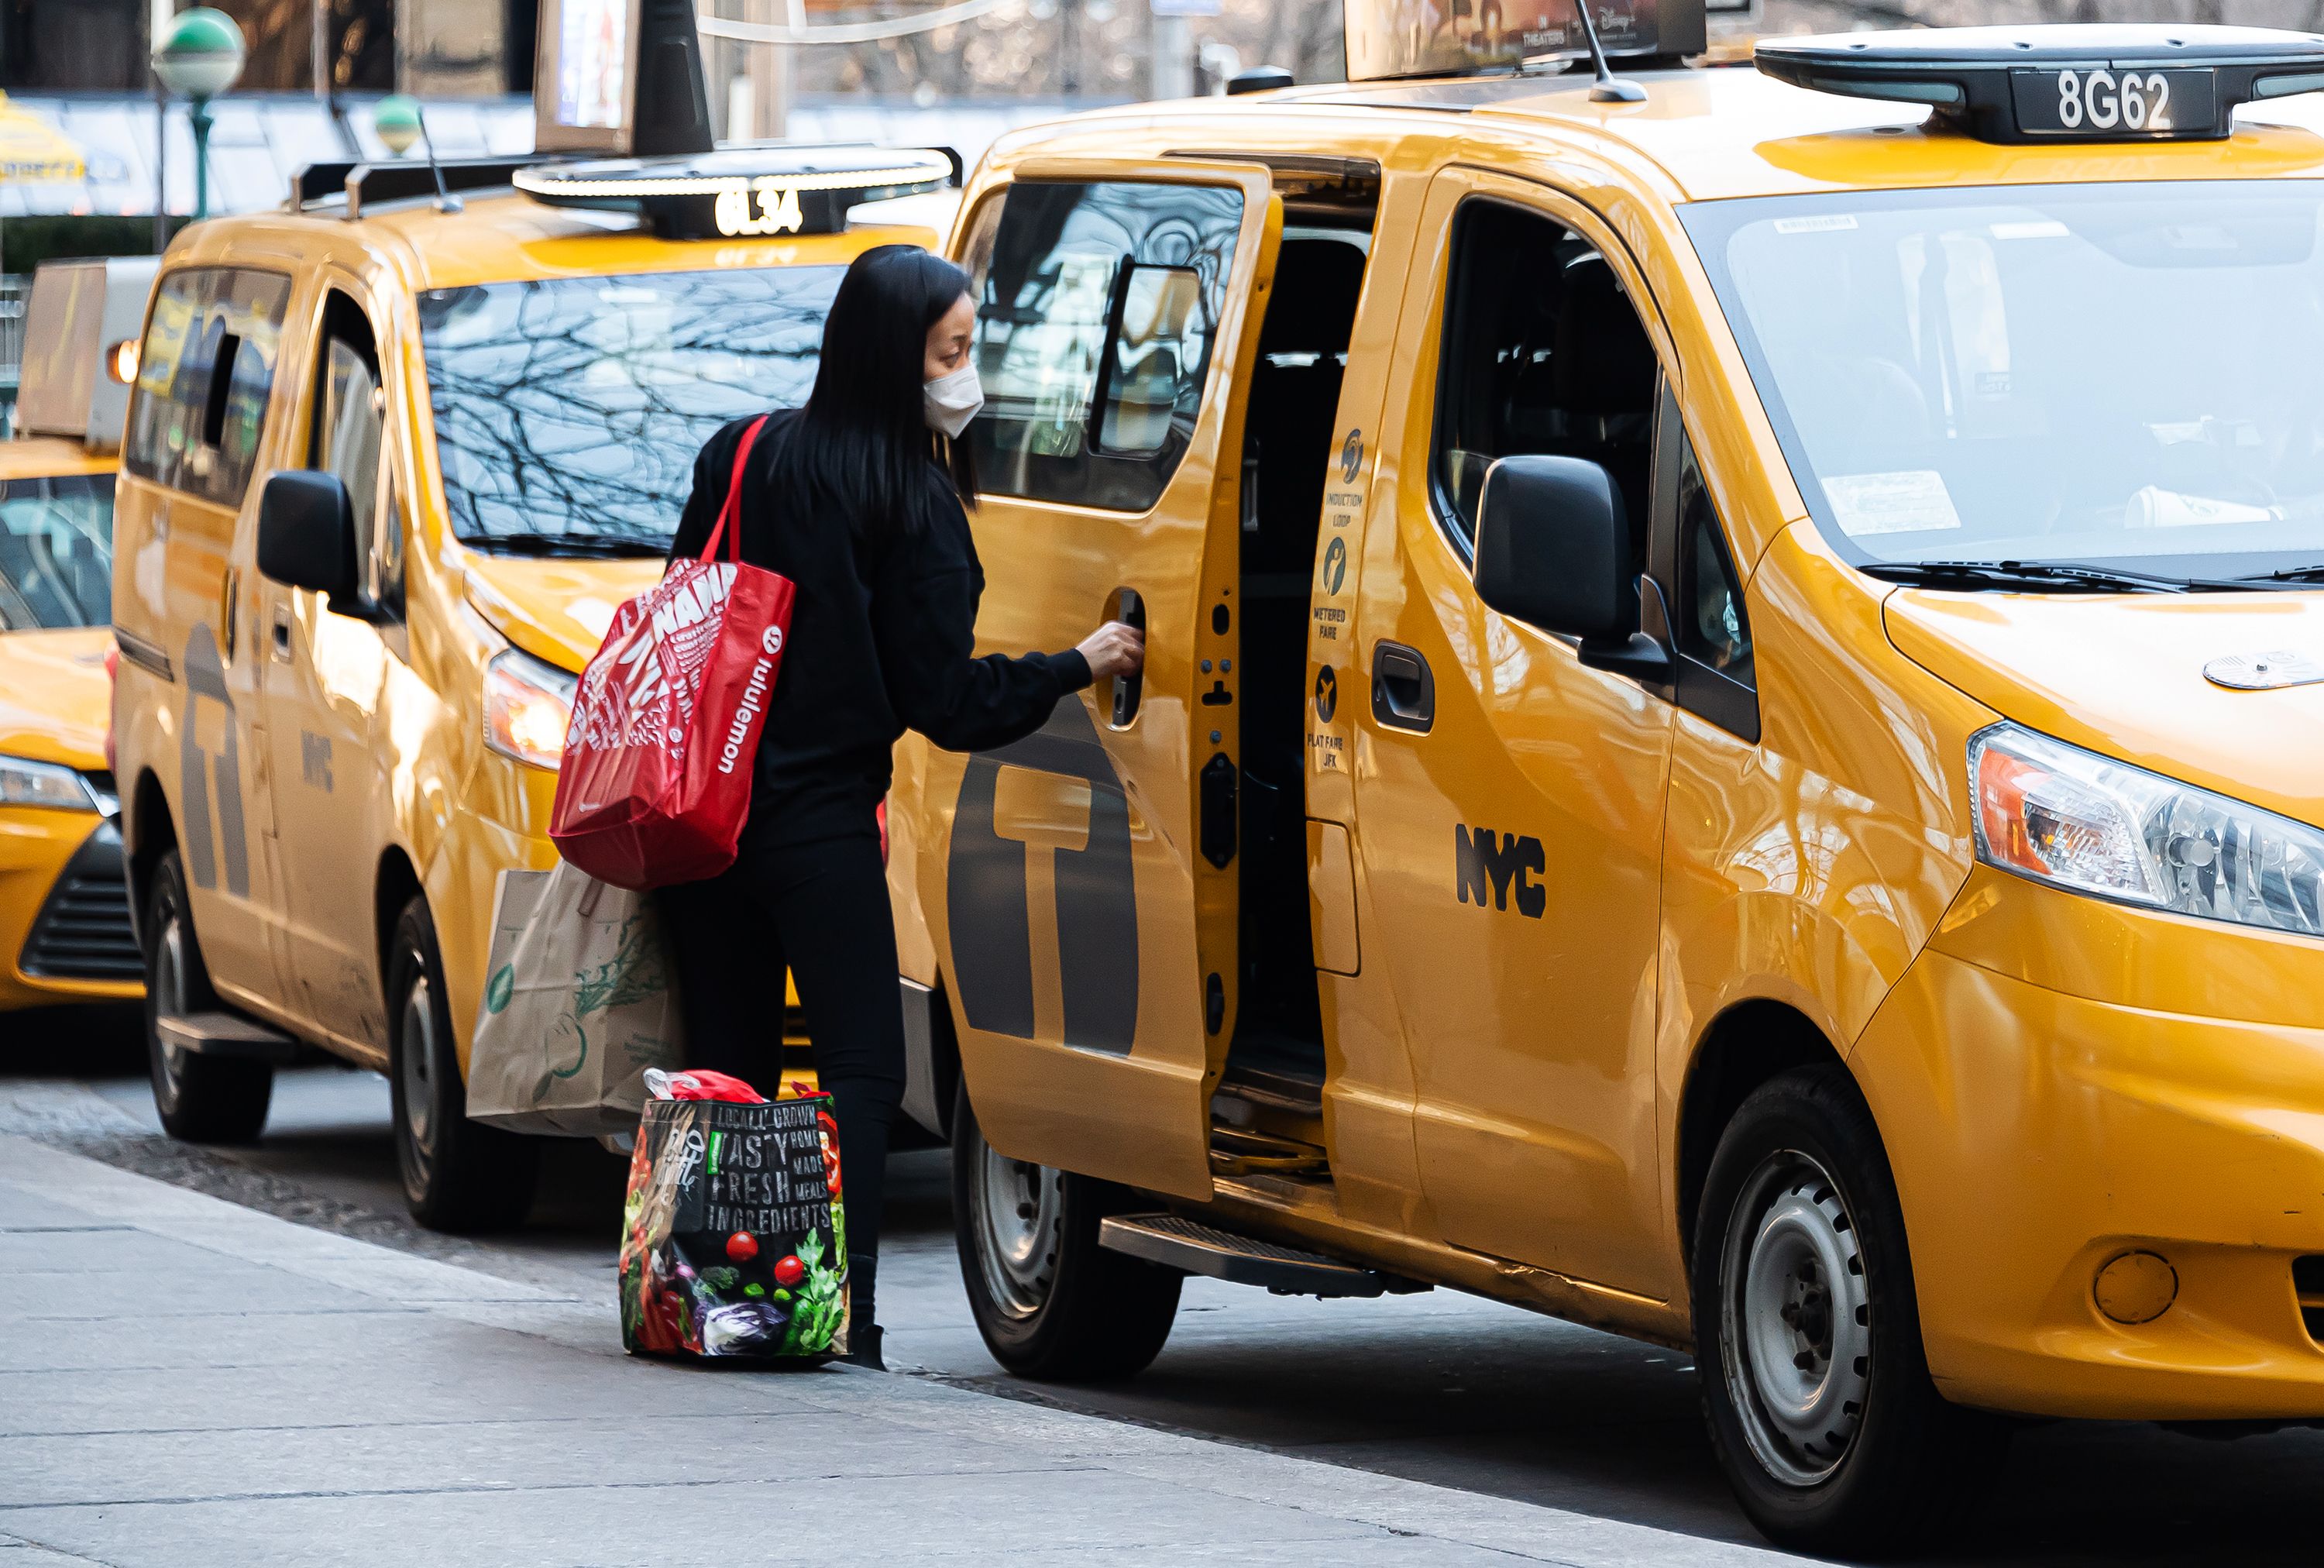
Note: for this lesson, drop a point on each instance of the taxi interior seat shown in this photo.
(1290, 435)
(1544, 353)
(1591, 394)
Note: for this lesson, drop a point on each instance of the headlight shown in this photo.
(24, 782)
(2059, 815)
(527, 703)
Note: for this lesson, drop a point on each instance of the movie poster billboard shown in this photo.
(1401, 38)
(586, 75)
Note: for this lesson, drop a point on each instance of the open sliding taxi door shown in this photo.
(1081, 885)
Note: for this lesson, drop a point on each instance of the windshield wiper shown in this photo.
(2295, 575)
(603, 546)
(2054, 576)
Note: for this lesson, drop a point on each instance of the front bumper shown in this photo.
(2036, 1136)
(65, 930)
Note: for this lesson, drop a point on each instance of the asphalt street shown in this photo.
(1437, 1387)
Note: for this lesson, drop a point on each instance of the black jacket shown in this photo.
(881, 641)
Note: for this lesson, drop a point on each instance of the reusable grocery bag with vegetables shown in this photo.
(734, 1234)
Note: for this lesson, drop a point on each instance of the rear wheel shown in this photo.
(1808, 1335)
(458, 1175)
(1051, 1304)
(201, 1099)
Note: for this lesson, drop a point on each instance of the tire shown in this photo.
(1808, 1335)
(1052, 1305)
(460, 1175)
(200, 1099)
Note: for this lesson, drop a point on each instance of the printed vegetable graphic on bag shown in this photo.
(735, 1233)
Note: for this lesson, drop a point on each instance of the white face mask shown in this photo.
(952, 400)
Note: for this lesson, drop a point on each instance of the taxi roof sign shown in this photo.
(1385, 41)
(738, 192)
(2061, 82)
(79, 311)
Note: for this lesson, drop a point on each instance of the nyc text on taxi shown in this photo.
(1728, 740)
(392, 460)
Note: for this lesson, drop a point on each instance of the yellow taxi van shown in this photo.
(395, 454)
(1728, 744)
(65, 932)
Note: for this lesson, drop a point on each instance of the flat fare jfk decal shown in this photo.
(1342, 505)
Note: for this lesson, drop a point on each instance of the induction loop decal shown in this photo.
(1351, 456)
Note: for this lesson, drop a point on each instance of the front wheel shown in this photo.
(1808, 1335)
(1051, 1304)
(458, 1175)
(200, 1099)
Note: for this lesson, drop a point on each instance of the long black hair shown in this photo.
(863, 442)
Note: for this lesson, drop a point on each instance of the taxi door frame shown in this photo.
(1476, 1162)
(349, 1007)
(209, 583)
(1140, 1116)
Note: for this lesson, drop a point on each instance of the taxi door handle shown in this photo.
(281, 634)
(1124, 605)
(1404, 689)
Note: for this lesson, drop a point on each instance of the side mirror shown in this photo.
(1555, 551)
(307, 534)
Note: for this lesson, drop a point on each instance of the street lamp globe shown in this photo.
(397, 122)
(200, 55)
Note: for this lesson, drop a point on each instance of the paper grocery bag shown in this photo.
(578, 1002)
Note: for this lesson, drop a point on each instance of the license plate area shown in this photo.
(2103, 104)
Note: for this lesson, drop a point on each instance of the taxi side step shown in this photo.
(1177, 1243)
(226, 1034)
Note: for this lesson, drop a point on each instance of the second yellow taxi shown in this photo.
(393, 458)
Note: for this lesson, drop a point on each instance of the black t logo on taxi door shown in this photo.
(988, 907)
(197, 779)
(1482, 859)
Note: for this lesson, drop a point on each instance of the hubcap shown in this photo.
(1796, 1323)
(416, 1068)
(1018, 1213)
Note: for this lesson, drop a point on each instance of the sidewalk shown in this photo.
(184, 1382)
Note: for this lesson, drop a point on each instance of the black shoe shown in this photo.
(863, 1348)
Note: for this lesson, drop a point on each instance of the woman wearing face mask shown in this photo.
(860, 499)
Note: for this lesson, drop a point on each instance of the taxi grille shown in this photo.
(2308, 1283)
(83, 931)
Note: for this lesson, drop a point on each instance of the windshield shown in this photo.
(573, 408)
(56, 552)
(2121, 374)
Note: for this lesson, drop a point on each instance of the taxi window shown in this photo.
(1543, 353)
(350, 425)
(1097, 309)
(2085, 375)
(56, 551)
(1712, 628)
(568, 412)
(205, 374)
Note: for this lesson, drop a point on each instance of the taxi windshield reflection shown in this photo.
(56, 552)
(568, 410)
(2115, 374)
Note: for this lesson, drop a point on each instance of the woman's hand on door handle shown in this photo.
(1114, 650)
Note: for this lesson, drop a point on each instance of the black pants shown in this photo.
(821, 909)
